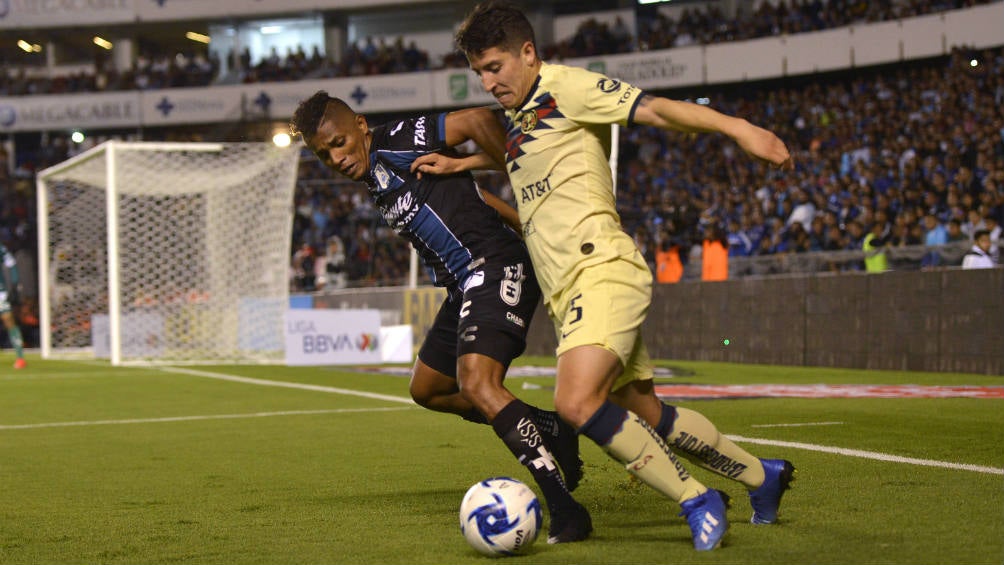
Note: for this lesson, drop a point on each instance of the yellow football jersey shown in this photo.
(557, 151)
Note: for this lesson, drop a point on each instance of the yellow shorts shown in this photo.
(606, 305)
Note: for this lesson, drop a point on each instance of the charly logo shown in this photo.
(8, 114)
(4, 8)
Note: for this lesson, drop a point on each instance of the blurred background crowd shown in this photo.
(903, 157)
(155, 68)
(912, 154)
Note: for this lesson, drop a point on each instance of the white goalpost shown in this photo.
(166, 252)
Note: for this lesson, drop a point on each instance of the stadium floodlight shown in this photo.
(282, 139)
(29, 47)
(166, 252)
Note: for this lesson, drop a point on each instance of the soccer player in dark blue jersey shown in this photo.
(467, 241)
(13, 331)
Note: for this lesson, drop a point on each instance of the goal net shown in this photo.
(166, 252)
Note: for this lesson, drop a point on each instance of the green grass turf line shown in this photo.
(383, 487)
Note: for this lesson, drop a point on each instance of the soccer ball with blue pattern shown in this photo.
(500, 516)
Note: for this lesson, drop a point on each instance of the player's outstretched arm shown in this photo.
(477, 124)
(439, 164)
(688, 117)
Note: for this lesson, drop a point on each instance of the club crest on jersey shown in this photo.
(527, 121)
(608, 85)
(381, 175)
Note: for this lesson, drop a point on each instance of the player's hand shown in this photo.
(437, 164)
(766, 146)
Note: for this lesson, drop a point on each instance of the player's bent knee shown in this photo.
(574, 410)
(422, 396)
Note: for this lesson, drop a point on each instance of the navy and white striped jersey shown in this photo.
(444, 217)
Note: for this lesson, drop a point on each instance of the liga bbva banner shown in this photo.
(332, 337)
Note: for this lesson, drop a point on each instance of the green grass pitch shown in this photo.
(142, 465)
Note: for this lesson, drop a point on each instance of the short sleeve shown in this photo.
(423, 134)
(594, 98)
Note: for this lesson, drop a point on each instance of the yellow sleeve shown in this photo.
(592, 98)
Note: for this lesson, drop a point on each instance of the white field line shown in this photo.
(301, 386)
(263, 382)
(870, 455)
(56, 376)
(195, 418)
(797, 425)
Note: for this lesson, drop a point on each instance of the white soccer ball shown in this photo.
(500, 516)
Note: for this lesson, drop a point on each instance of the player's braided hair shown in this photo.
(308, 114)
(494, 24)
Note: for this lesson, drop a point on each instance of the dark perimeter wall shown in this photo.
(949, 320)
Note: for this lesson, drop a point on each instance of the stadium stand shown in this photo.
(157, 66)
(890, 146)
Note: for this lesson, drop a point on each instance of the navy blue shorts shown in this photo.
(488, 314)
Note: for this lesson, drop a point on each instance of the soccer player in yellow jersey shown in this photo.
(595, 283)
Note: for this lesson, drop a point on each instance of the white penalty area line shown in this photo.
(55, 376)
(195, 418)
(870, 455)
(797, 425)
(283, 384)
(334, 390)
(808, 446)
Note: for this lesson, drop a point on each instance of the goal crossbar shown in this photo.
(172, 252)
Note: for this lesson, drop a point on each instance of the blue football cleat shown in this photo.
(706, 518)
(766, 499)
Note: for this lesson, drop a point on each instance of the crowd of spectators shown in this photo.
(151, 70)
(913, 153)
(905, 155)
(155, 68)
(707, 25)
(368, 57)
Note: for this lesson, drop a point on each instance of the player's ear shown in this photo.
(362, 124)
(528, 53)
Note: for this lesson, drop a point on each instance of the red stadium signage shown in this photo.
(826, 391)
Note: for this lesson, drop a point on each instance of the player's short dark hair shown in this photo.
(494, 24)
(980, 233)
(309, 113)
